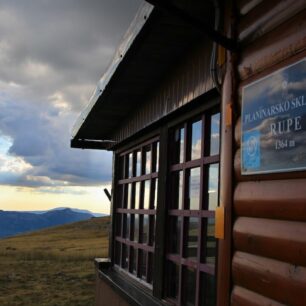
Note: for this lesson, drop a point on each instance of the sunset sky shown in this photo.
(52, 54)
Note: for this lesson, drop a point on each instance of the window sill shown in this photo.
(132, 291)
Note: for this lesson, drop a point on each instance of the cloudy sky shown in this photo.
(52, 54)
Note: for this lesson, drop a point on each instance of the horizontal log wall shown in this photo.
(269, 231)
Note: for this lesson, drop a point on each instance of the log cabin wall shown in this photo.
(269, 230)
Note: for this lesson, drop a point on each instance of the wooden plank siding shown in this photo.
(269, 228)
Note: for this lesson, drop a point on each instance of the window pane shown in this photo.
(196, 137)
(137, 195)
(211, 243)
(146, 200)
(138, 163)
(148, 157)
(129, 196)
(152, 229)
(179, 146)
(130, 164)
(150, 268)
(125, 256)
(155, 193)
(134, 261)
(177, 190)
(194, 188)
(118, 224)
(145, 229)
(213, 184)
(143, 265)
(215, 134)
(189, 286)
(208, 290)
(192, 238)
(117, 252)
(175, 234)
(157, 157)
(127, 226)
(172, 279)
(136, 228)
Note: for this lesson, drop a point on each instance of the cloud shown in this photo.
(52, 54)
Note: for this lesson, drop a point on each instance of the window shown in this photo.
(136, 210)
(186, 269)
(193, 197)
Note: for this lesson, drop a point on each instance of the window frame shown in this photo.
(161, 213)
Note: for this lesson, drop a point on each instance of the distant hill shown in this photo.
(13, 222)
(73, 209)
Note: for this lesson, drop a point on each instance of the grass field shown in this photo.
(52, 266)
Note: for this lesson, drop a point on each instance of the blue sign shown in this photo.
(273, 135)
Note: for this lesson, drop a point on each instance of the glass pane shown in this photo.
(145, 229)
(215, 134)
(196, 140)
(192, 238)
(143, 264)
(155, 194)
(189, 287)
(137, 195)
(152, 229)
(129, 196)
(211, 243)
(177, 190)
(213, 186)
(138, 163)
(150, 268)
(118, 224)
(179, 146)
(148, 157)
(127, 226)
(117, 252)
(146, 200)
(194, 188)
(157, 157)
(136, 228)
(130, 164)
(125, 256)
(134, 261)
(176, 226)
(208, 290)
(172, 284)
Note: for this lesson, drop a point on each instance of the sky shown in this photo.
(52, 54)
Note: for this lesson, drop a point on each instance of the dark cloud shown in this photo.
(52, 54)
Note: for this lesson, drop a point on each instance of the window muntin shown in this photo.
(193, 197)
(136, 210)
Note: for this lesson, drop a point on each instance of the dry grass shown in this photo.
(52, 266)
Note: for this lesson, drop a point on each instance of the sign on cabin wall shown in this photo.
(273, 135)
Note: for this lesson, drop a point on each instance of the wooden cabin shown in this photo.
(204, 109)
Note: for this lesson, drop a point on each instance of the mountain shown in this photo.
(13, 222)
(73, 209)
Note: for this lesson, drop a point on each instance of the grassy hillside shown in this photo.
(52, 266)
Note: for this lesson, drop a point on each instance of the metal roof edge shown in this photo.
(134, 29)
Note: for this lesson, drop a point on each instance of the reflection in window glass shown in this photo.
(192, 238)
(125, 256)
(155, 194)
(208, 296)
(196, 140)
(210, 247)
(194, 188)
(179, 145)
(134, 258)
(189, 287)
(146, 200)
(176, 226)
(148, 157)
(130, 164)
(136, 228)
(215, 134)
(143, 264)
(137, 195)
(213, 184)
(145, 229)
(157, 156)
(172, 280)
(127, 226)
(129, 196)
(138, 163)
(177, 190)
